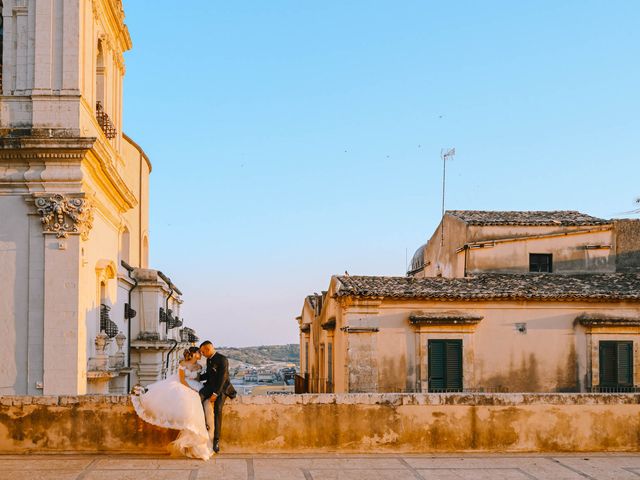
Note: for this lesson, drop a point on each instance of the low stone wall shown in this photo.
(341, 422)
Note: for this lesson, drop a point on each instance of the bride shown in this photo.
(175, 403)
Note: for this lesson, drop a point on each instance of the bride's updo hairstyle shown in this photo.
(190, 352)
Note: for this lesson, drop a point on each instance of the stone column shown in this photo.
(66, 220)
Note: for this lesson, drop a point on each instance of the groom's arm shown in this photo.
(221, 377)
(208, 378)
(206, 391)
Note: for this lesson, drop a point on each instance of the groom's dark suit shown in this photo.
(216, 379)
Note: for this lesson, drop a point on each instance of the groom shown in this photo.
(216, 388)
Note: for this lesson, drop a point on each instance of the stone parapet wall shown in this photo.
(340, 422)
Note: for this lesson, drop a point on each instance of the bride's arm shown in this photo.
(182, 379)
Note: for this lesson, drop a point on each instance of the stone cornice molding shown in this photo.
(111, 18)
(350, 329)
(594, 320)
(64, 215)
(453, 317)
(32, 159)
(34, 163)
(329, 324)
(114, 185)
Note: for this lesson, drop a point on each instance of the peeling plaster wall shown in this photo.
(550, 355)
(345, 423)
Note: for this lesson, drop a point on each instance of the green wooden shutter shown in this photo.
(625, 363)
(616, 364)
(454, 364)
(608, 367)
(445, 365)
(437, 356)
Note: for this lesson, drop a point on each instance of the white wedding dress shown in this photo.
(168, 403)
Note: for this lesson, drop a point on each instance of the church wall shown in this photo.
(14, 296)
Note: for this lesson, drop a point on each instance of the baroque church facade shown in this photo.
(80, 309)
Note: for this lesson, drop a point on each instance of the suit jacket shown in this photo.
(216, 376)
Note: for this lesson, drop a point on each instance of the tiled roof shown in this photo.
(496, 286)
(532, 218)
(313, 300)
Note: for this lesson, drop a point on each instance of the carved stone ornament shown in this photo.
(64, 215)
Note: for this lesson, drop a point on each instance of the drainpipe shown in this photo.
(175, 344)
(466, 254)
(128, 315)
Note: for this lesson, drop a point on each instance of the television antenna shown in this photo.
(445, 154)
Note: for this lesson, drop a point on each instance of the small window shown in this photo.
(540, 262)
(330, 362)
(445, 365)
(616, 364)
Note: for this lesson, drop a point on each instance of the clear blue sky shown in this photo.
(292, 140)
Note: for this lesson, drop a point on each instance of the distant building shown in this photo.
(74, 205)
(506, 301)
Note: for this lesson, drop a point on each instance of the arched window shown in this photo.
(144, 261)
(103, 292)
(125, 245)
(100, 77)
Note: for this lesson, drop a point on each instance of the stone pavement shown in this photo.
(323, 467)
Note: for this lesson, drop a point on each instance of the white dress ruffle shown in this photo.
(169, 404)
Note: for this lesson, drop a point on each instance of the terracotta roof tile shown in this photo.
(530, 218)
(495, 286)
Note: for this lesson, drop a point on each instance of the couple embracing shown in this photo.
(190, 401)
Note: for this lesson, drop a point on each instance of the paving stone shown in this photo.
(216, 469)
(138, 475)
(28, 463)
(40, 475)
(323, 467)
(361, 474)
(115, 463)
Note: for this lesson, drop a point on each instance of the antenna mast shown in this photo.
(445, 154)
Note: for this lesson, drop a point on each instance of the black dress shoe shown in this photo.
(216, 446)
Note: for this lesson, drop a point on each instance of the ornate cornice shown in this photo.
(453, 317)
(31, 163)
(62, 215)
(329, 324)
(349, 329)
(591, 320)
(112, 18)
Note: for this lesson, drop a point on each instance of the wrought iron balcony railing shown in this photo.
(106, 324)
(166, 316)
(188, 335)
(105, 122)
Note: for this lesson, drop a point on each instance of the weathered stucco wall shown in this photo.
(346, 423)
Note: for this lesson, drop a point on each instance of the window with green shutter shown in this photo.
(616, 364)
(445, 365)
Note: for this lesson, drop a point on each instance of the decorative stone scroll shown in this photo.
(63, 215)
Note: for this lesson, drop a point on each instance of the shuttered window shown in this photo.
(616, 364)
(330, 361)
(445, 365)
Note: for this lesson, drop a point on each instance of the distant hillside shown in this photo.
(263, 354)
